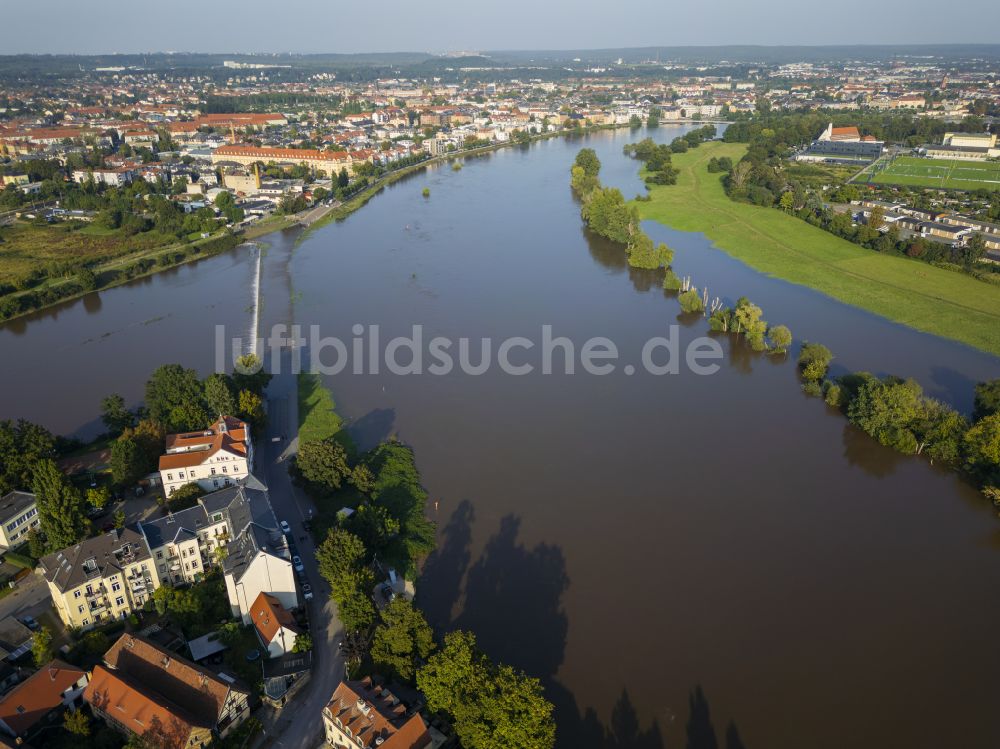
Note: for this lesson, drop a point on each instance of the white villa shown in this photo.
(213, 458)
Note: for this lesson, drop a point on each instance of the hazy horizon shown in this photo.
(314, 27)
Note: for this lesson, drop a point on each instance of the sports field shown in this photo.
(949, 174)
(917, 294)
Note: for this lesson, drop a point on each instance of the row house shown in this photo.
(258, 561)
(109, 576)
(101, 578)
(186, 543)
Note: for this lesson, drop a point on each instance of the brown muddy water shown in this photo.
(677, 557)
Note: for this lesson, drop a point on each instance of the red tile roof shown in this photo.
(843, 133)
(281, 154)
(197, 691)
(192, 448)
(371, 712)
(37, 696)
(124, 702)
(269, 616)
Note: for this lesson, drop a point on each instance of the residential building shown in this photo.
(948, 232)
(100, 578)
(124, 705)
(330, 162)
(213, 458)
(275, 626)
(259, 561)
(140, 678)
(361, 714)
(112, 177)
(186, 543)
(18, 516)
(54, 686)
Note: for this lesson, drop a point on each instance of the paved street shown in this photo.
(30, 597)
(299, 725)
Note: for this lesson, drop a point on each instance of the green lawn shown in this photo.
(318, 418)
(951, 174)
(917, 294)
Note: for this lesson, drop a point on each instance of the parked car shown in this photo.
(307, 592)
(297, 563)
(387, 592)
(285, 528)
(30, 623)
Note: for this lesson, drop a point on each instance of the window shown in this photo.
(159, 555)
(213, 471)
(120, 601)
(194, 564)
(80, 608)
(86, 622)
(170, 477)
(116, 586)
(76, 594)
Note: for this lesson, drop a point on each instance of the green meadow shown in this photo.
(931, 299)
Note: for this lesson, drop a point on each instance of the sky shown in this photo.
(104, 26)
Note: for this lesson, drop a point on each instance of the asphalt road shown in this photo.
(300, 724)
(30, 597)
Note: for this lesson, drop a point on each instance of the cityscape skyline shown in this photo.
(192, 27)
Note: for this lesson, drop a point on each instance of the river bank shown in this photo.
(141, 264)
(918, 295)
(114, 273)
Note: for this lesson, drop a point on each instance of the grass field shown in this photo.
(949, 174)
(917, 294)
(318, 418)
(26, 247)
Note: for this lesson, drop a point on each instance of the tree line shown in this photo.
(608, 215)
(491, 706)
(896, 413)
